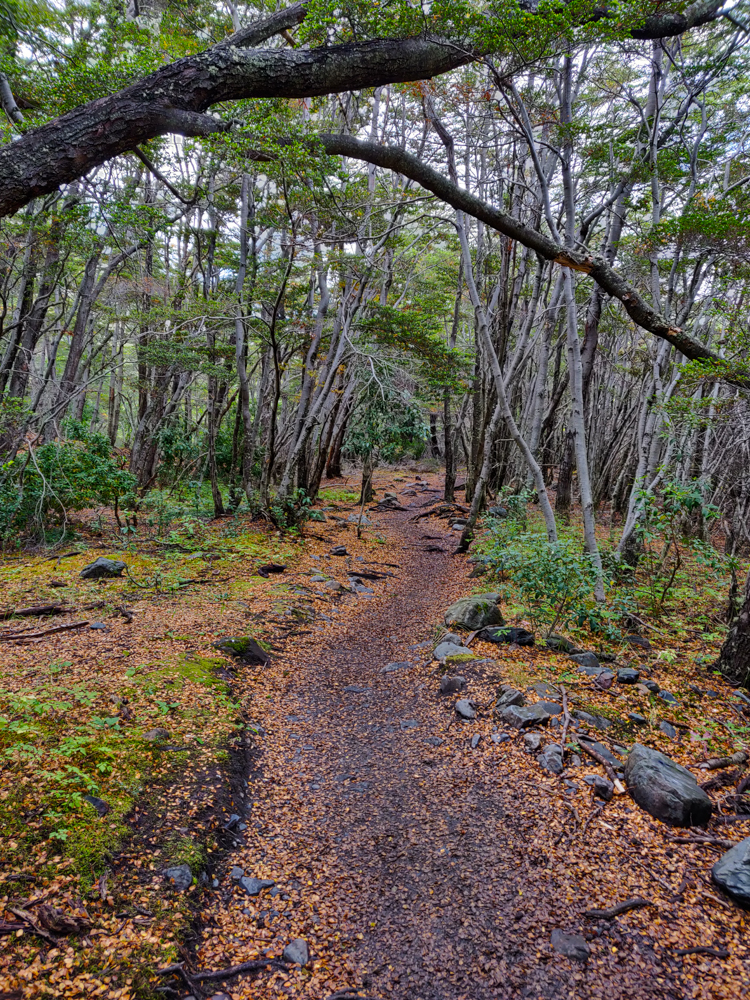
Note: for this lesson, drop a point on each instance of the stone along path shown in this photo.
(410, 864)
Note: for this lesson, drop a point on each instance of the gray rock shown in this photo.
(475, 611)
(434, 741)
(551, 707)
(669, 698)
(627, 675)
(409, 723)
(355, 689)
(532, 742)
(334, 585)
(236, 873)
(665, 789)
(98, 627)
(508, 695)
(157, 735)
(522, 717)
(497, 511)
(520, 636)
(652, 686)
(254, 886)
(102, 569)
(500, 738)
(339, 550)
(551, 758)
(638, 640)
(448, 637)
(559, 643)
(450, 649)
(296, 951)
(318, 578)
(603, 788)
(570, 945)
(450, 685)
(603, 751)
(545, 690)
(354, 518)
(586, 660)
(100, 805)
(244, 648)
(637, 719)
(391, 668)
(603, 679)
(465, 709)
(597, 721)
(732, 872)
(475, 741)
(668, 729)
(180, 877)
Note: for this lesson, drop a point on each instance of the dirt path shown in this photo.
(413, 865)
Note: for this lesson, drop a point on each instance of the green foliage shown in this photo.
(38, 488)
(386, 422)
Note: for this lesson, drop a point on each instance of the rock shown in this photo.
(559, 643)
(500, 738)
(532, 742)
(603, 788)
(465, 709)
(637, 719)
(236, 873)
(98, 627)
(508, 696)
(586, 660)
(318, 578)
(520, 636)
(668, 729)
(100, 805)
(475, 611)
(638, 640)
(339, 550)
(479, 570)
(545, 690)
(597, 721)
(628, 676)
(180, 877)
(157, 735)
(550, 707)
(409, 723)
(497, 511)
(521, 717)
(605, 657)
(355, 689)
(333, 585)
(570, 945)
(604, 680)
(450, 649)
(354, 519)
(603, 751)
(732, 872)
(450, 685)
(669, 698)
(652, 686)
(551, 758)
(244, 648)
(665, 789)
(450, 637)
(434, 741)
(296, 951)
(254, 886)
(391, 668)
(102, 569)
(475, 741)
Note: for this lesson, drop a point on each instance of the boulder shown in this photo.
(475, 612)
(520, 636)
(532, 742)
(551, 758)
(520, 717)
(551, 707)
(628, 676)
(102, 569)
(297, 951)
(465, 709)
(449, 685)
(570, 945)
(638, 640)
(597, 721)
(444, 649)
(559, 643)
(668, 729)
(586, 660)
(665, 789)
(732, 872)
(244, 648)
(508, 696)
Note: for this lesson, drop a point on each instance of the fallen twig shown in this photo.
(599, 759)
(717, 763)
(219, 974)
(618, 908)
(126, 613)
(701, 839)
(566, 720)
(703, 950)
(37, 635)
(30, 924)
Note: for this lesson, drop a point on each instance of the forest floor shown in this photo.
(413, 860)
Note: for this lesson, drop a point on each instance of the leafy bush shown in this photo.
(40, 486)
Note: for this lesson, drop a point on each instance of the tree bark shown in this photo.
(734, 658)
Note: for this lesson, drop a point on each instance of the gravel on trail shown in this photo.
(416, 867)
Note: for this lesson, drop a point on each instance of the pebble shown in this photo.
(254, 886)
(434, 741)
(180, 877)
(637, 718)
(354, 689)
(475, 741)
(409, 723)
(668, 729)
(532, 742)
(500, 737)
(237, 873)
(391, 668)
(669, 698)
(297, 952)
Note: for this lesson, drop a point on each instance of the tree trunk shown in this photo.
(734, 658)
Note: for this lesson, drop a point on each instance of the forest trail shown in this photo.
(413, 865)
